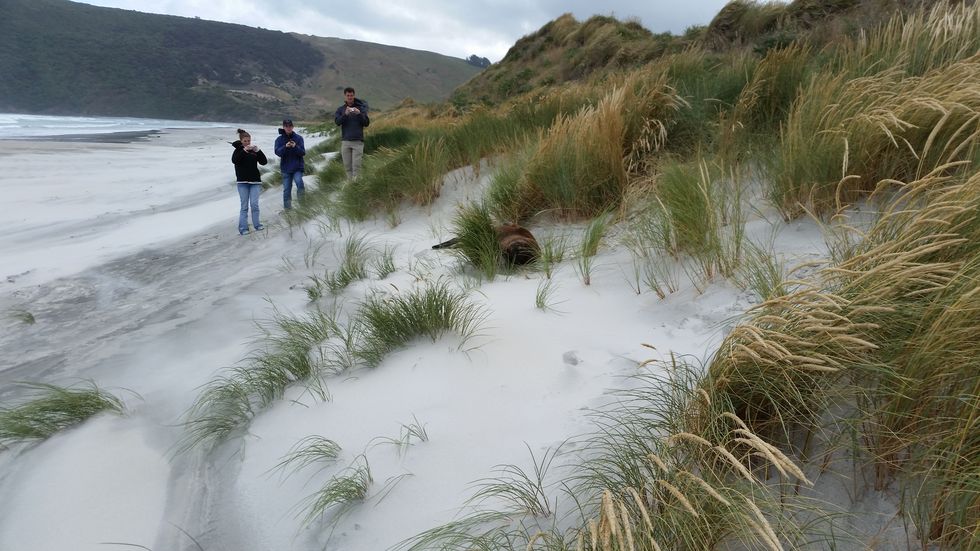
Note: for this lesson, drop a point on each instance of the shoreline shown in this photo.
(122, 136)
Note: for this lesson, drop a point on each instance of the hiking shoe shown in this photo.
(259, 228)
(243, 232)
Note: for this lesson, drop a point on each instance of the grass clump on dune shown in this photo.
(708, 85)
(873, 358)
(887, 336)
(392, 322)
(578, 168)
(671, 467)
(769, 94)
(504, 197)
(477, 240)
(353, 266)
(853, 126)
(53, 410)
(388, 137)
(594, 232)
(934, 36)
(340, 494)
(676, 468)
(696, 218)
(306, 348)
(308, 451)
(285, 355)
(413, 173)
(23, 316)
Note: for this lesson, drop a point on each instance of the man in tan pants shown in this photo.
(352, 118)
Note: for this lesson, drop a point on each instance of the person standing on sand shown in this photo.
(247, 158)
(290, 150)
(352, 118)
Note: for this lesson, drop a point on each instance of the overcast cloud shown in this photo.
(456, 28)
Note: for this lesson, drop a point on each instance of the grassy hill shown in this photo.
(566, 50)
(384, 75)
(62, 57)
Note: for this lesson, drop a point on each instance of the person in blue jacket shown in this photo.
(290, 150)
(247, 158)
(352, 118)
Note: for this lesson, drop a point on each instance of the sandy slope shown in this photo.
(155, 319)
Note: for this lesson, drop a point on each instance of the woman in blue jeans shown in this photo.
(247, 158)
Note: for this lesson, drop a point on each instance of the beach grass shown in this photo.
(768, 97)
(481, 134)
(506, 194)
(882, 335)
(331, 176)
(697, 217)
(477, 239)
(388, 137)
(53, 409)
(413, 173)
(416, 430)
(384, 264)
(544, 295)
(313, 449)
(353, 265)
(708, 85)
(332, 143)
(592, 237)
(649, 240)
(762, 272)
(578, 170)
(685, 191)
(553, 250)
(271, 179)
(392, 322)
(285, 354)
(519, 491)
(339, 495)
(873, 353)
(866, 119)
(24, 316)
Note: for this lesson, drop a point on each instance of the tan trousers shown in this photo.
(351, 153)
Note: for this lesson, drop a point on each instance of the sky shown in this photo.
(457, 28)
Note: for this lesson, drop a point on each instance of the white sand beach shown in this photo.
(127, 256)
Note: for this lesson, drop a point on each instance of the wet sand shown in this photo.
(103, 137)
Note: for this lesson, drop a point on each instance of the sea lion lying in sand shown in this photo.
(517, 245)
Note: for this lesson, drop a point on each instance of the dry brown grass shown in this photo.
(689, 498)
(846, 134)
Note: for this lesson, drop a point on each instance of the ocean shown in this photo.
(13, 126)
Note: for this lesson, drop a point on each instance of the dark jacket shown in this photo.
(352, 126)
(247, 163)
(290, 158)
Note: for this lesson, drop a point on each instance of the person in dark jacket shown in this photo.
(290, 149)
(247, 158)
(352, 118)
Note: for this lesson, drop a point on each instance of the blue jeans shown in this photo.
(287, 187)
(249, 195)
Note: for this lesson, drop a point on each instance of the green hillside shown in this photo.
(384, 75)
(103, 61)
(567, 50)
